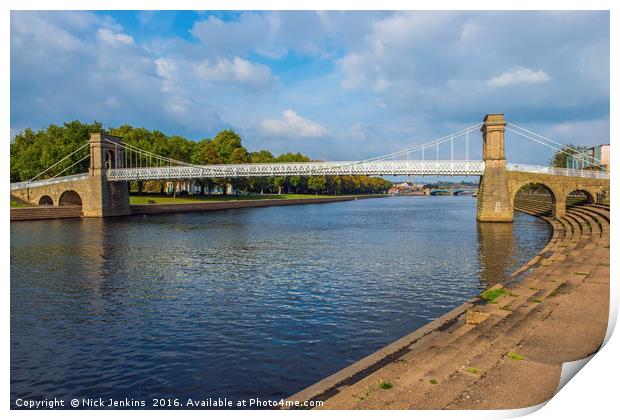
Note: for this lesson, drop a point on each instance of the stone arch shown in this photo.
(537, 197)
(70, 198)
(580, 196)
(46, 200)
(109, 160)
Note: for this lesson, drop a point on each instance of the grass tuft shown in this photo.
(384, 384)
(515, 356)
(492, 294)
(473, 370)
(434, 381)
(16, 203)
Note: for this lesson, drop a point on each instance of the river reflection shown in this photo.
(248, 303)
(498, 256)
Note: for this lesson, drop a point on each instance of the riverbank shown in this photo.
(239, 204)
(183, 205)
(504, 349)
(139, 199)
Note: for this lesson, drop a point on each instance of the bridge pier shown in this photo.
(494, 204)
(103, 198)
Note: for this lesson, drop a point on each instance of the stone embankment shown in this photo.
(224, 205)
(505, 351)
(45, 212)
(63, 212)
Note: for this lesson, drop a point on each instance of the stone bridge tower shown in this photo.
(494, 204)
(103, 198)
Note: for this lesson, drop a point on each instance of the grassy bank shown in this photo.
(16, 203)
(188, 199)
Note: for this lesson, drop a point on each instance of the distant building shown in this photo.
(594, 158)
(193, 188)
(405, 188)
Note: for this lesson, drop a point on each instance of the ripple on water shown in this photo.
(241, 303)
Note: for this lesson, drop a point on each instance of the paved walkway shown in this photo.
(504, 353)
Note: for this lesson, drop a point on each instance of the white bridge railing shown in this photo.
(51, 181)
(516, 167)
(374, 168)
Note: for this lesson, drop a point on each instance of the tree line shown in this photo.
(34, 151)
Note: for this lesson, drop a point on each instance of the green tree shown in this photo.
(558, 160)
(262, 156)
(225, 143)
(261, 184)
(210, 155)
(239, 155)
(33, 152)
(179, 148)
(316, 184)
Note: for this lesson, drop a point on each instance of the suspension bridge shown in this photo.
(103, 191)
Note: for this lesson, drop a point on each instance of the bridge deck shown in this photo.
(380, 168)
(375, 168)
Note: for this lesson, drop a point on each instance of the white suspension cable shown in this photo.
(66, 169)
(467, 146)
(458, 134)
(545, 144)
(548, 139)
(134, 149)
(61, 160)
(451, 148)
(424, 145)
(137, 151)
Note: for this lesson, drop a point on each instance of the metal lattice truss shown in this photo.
(374, 168)
(42, 182)
(578, 173)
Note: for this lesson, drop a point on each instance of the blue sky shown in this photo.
(333, 85)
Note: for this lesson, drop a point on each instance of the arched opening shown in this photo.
(110, 162)
(70, 198)
(536, 199)
(46, 200)
(579, 197)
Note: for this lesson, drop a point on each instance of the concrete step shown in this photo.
(452, 374)
(45, 212)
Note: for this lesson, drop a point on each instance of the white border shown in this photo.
(591, 393)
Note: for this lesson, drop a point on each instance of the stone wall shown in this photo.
(559, 186)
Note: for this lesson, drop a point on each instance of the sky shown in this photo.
(332, 85)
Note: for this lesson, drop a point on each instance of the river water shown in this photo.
(247, 303)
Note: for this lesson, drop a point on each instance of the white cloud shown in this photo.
(407, 74)
(176, 102)
(272, 34)
(236, 70)
(388, 53)
(292, 125)
(35, 28)
(364, 132)
(518, 75)
(111, 37)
